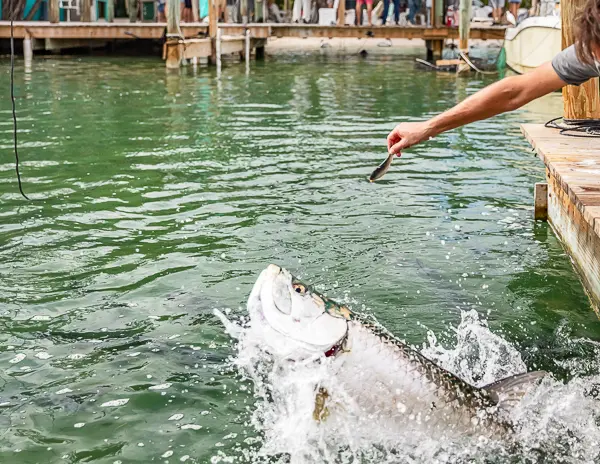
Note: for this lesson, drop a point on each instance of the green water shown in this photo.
(157, 197)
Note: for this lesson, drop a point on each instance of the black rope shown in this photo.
(14, 110)
(589, 128)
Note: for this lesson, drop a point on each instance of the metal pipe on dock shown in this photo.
(27, 50)
(218, 50)
(247, 51)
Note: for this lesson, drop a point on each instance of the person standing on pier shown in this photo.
(301, 11)
(386, 10)
(513, 7)
(413, 6)
(359, 4)
(573, 66)
(497, 9)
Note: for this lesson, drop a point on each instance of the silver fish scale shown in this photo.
(434, 395)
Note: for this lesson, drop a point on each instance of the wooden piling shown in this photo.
(173, 50)
(437, 13)
(342, 13)
(195, 12)
(86, 11)
(464, 25)
(110, 10)
(53, 11)
(212, 19)
(247, 50)
(27, 50)
(540, 201)
(581, 102)
(218, 50)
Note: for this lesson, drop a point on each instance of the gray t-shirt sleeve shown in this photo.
(570, 69)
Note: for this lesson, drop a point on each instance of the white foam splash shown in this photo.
(115, 403)
(556, 422)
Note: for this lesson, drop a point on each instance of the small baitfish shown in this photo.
(378, 371)
(380, 170)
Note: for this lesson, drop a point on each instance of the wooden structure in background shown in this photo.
(173, 48)
(191, 40)
(53, 11)
(86, 11)
(341, 19)
(111, 31)
(110, 7)
(581, 102)
(573, 173)
(464, 25)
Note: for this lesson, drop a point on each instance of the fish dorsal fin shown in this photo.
(506, 393)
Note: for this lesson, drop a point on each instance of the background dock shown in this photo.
(127, 30)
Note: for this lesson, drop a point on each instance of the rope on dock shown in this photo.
(576, 127)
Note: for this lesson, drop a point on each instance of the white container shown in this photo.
(327, 17)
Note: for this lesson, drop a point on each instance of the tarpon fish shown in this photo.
(375, 368)
(380, 170)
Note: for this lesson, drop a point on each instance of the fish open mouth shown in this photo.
(297, 315)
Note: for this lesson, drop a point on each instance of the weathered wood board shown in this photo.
(126, 30)
(573, 175)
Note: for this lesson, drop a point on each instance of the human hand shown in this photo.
(406, 135)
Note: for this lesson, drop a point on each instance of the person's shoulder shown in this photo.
(570, 68)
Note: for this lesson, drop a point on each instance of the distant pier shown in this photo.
(198, 40)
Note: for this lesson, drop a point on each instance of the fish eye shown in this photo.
(299, 288)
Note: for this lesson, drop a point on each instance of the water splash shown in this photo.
(557, 422)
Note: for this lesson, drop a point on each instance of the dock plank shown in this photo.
(573, 176)
(126, 30)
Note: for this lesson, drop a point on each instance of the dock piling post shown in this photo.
(53, 11)
(437, 13)
(435, 47)
(463, 32)
(247, 51)
(218, 50)
(110, 11)
(581, 102)
(260, 51)
(27, 50)
(173, 49)
(341, 13)
(540, 201)
(86, 11)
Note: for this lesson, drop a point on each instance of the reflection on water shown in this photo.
(159, 196)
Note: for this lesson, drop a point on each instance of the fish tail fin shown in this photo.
(509, 391)
(232, 329)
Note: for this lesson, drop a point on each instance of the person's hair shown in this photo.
(587, 25)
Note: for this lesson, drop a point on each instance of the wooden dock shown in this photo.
(573, 176)
(126, 30)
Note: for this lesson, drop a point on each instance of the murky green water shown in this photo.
(157, 197)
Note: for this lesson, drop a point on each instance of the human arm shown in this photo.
(505, 95)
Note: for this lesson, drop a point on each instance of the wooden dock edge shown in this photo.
(575, 223)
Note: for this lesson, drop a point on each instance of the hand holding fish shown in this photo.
(406, 135)
(403, 136)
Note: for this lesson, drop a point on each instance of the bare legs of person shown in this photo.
(359, 5)
(513, 7)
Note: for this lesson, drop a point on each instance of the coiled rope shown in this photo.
(576, 127)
